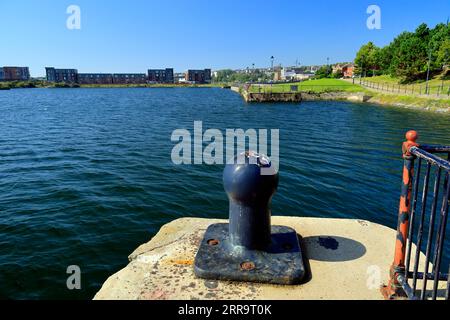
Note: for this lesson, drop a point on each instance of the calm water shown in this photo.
(86, 174)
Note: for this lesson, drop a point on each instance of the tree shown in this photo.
(440, 46)
(324, 72)
(338, 74)
(443, 55)
(410, 54)
(223, 75)
(367, 59)
(407, 56)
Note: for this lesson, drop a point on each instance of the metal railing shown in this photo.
(421, 233)
(410, 89)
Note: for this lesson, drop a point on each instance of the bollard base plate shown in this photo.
(281, 263)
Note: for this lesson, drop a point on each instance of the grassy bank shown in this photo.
(436, 81)
(436, 85)
(318, 85)
(441, 105)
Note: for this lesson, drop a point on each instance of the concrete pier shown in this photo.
(347, 259)
(300, 96)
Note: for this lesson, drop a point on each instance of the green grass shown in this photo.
(436, 85)
(317, 85)
(411, 101)
(388, 79)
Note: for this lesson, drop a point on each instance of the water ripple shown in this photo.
(86, 174)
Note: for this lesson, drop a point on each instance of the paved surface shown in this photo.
(348, 259)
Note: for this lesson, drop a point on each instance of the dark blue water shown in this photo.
(86, 174)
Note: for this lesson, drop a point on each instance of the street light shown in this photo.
(328, 66)
(273, 71)
(428, 71)
(361, 67)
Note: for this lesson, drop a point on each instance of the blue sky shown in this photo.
(134, 35)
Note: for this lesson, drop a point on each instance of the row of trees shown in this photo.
(408, 56)
(229, 75)
(327, 72)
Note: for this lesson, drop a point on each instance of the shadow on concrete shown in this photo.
(332, 248)
(308, 274)
(440, 294)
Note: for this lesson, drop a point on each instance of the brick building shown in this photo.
(129, 78)
(348, 70)
(14, 74)
(95, 78)
(62, 75)
(198, 76)
(161, 75)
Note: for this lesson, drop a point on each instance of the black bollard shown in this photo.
(249, 248)
(250, 194)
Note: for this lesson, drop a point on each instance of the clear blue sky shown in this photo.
(134, 35)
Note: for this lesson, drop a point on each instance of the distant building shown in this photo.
(313, 69)
(161, 75)
(14, 74)
(62, 75)
(345, 68)
(337, 67)
(277, 74)
(348, 70)
(95, 78)
(179, 77)
(129, 78)
(198, 76)
(295, 74)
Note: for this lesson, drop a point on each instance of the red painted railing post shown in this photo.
(394, 289)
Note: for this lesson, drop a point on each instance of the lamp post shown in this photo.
(361, 71)
(273, 71)
(428, 71)
(328, 65)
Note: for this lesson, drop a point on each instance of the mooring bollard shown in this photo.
(249, 194)
(249, 248)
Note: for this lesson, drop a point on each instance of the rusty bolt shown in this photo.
(247, 266)
(213, 242)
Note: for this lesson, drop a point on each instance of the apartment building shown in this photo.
(61, 75)
(198, 76)
(95, 78)
(129, 78)
(14, 74)
(161, 75)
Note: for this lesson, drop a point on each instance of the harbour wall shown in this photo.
(260, 97)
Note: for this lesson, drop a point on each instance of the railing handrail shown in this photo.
(435, 148)
(437, 161)
(434, 241)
